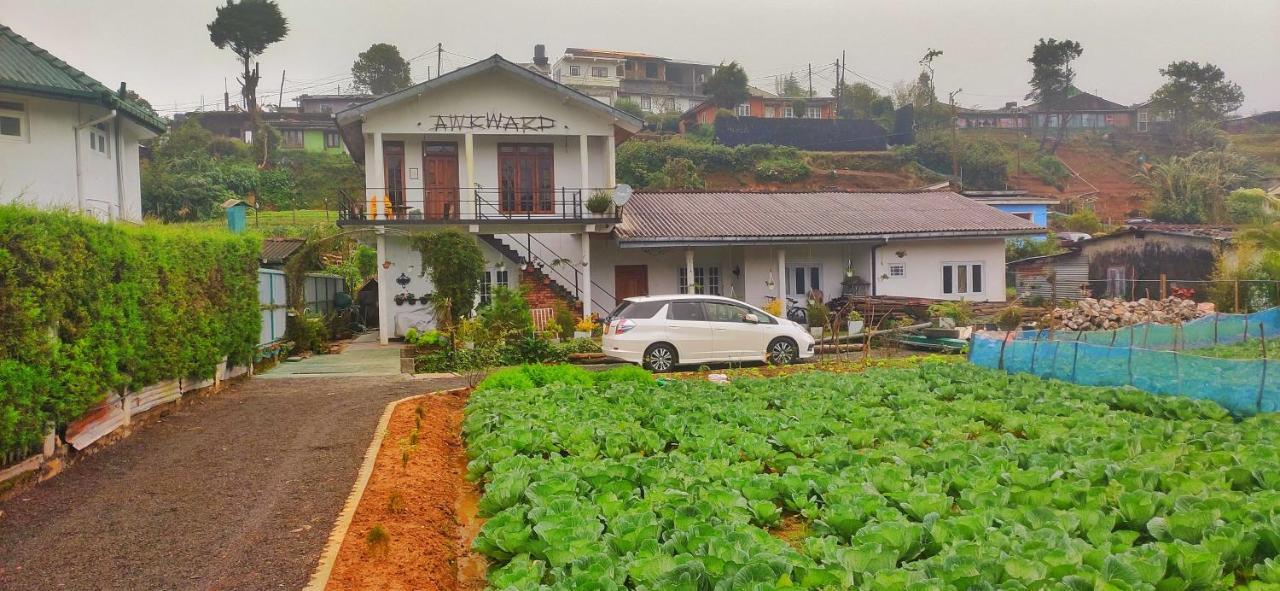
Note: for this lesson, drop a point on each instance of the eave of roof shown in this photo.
(26, 68)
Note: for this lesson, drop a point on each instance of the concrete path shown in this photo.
(363, 357)
(235, 491)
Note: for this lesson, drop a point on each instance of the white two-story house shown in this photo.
(503, 152)
(67, 141)
(512, 157)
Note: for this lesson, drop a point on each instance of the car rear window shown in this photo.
(636, 310)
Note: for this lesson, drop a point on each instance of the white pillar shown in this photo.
(585, 287)
(782, 279)
(468, 206)
(378, 188)
(384, 309)
(584, 172)
(688, 269)
(611, 157)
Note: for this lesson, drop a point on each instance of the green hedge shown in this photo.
(88, 308)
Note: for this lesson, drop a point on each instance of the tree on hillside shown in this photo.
(925, 84)
(1051, 81)
(862, 101)
(381, 70)
(1195, 93)
(248, 27)
(727, 87)
(1193, 189)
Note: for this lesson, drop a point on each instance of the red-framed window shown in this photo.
(526, 178)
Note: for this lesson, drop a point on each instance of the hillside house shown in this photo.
(306, 131)
(1126, 264)
(1081, 111)
(1029, 207)
(762, 103)
(66, 140)
(657, 84)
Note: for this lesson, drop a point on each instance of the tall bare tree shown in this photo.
(247, 27)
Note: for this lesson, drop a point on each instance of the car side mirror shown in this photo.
(751, 319)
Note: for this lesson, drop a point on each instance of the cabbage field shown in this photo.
(941, 476)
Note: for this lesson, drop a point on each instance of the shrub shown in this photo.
(1009, 318)
(984, 165)
(456, 265)
(599, 203)
(818, 313)
(564, 321)
(1248, 206)
(507, 313)
(781, 171)
(88, 308)
(639, 162)
(677, 173)
(309, 332)
(1083, 220)
(960, 311)
(529, 348)
(1049, 169)
(579, 346)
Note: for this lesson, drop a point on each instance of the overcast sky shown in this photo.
(162, 49)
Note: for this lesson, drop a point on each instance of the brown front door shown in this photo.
(440, 180)
(630, 281)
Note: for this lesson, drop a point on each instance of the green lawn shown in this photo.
(937, 477)
(295, 223)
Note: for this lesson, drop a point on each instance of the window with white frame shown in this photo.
(962, 278)
(788, 111)
(98, 138)
(331, 139)
(813, 112)
(1144, 120)
(744, 110)
(575, 70)
(705, 280)
(599, 72)
(770, 112)
(13, 120)
(492, 279)
(646, 103)
(801, 279)
(897, 269)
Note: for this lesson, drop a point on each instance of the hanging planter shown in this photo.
(399, 299)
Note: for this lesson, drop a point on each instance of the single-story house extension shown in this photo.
(512, 157)
(1020, 203)
(1127, 263)
(758, 245)
(66, 140)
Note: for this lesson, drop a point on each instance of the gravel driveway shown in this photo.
(235, 491)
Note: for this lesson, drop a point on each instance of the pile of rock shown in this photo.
(1106, 314)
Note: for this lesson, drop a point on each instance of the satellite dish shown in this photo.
(621, 194)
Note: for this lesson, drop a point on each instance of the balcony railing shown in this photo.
(416, 205)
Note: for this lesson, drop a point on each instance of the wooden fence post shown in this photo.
(1075, 354)
(1003, 343)
(1237, 290)
(1164, 285)
(1130, 355)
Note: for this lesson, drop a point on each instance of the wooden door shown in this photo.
(630, 281)
(393, 163)
(440, 180)
(526, 178)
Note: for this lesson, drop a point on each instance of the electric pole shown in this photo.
(839, 90)
(955, 163)
(810, 80)
(280, 102)
(439, 57)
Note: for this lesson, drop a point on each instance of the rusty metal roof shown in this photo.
(674, 218)
(276, 251)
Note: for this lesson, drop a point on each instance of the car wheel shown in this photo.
(660, 358)
(782, 352)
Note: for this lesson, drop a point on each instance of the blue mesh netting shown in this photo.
(1243, 386)
(1207, 331)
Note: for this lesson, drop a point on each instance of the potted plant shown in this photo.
(584, 328)
(854, 322)
(599, 203)
(952, 320)
(818, 316)
(467, 332)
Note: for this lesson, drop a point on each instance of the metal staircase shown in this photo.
(564, 285)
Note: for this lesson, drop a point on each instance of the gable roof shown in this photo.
(691, 218)
(1084, 101)
(26, 68)
(349, 120)
(275, 251)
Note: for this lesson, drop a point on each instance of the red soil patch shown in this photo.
(432, 524)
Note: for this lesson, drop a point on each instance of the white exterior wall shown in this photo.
(923, 260)
(40, 168)
(404, 259)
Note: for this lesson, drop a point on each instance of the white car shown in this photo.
(661, 332)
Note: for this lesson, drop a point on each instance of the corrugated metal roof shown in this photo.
(276, 250)
(27, 68)
(673, 217)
